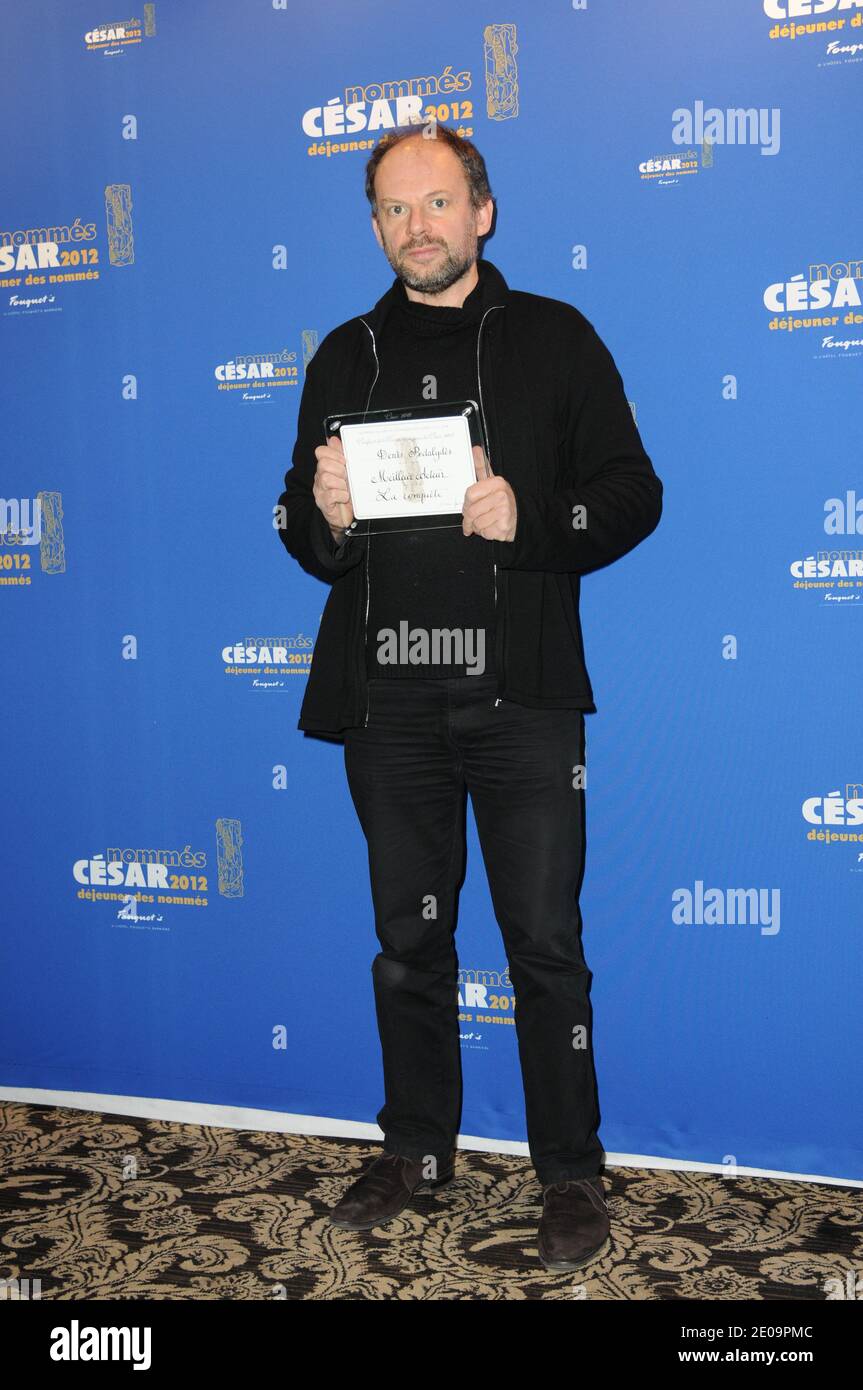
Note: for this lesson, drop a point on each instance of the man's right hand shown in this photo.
(330, 487)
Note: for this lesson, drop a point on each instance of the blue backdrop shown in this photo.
(183, 219)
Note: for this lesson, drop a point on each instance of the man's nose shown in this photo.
(417, 226)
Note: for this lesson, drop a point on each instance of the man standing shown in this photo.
(566, 487)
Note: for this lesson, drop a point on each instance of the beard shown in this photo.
(435, 277)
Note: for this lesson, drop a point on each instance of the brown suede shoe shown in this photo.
(384, 1190)
(574, 1226)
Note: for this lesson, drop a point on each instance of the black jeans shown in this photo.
(426, 743)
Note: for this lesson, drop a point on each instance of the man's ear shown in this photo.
(377, 231)
(488, 210)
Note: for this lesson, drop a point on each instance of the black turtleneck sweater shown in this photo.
(427, 576)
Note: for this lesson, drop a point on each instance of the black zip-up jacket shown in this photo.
(559, 429)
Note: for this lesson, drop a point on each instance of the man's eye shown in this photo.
(396, 207)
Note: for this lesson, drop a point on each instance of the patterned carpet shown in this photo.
(110, 1207)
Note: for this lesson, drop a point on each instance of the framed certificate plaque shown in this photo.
(411, 462)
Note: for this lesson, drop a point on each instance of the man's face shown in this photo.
(423, 202)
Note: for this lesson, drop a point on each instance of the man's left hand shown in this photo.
(489, 506)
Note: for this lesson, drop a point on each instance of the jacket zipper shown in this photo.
(488, 441)
(368, 542)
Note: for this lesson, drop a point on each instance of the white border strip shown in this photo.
(281, 1122)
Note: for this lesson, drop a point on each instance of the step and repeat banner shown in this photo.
(186, 906)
